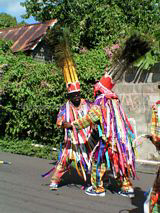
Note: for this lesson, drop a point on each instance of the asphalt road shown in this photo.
(22, 190)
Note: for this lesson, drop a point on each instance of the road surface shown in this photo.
(22, 190)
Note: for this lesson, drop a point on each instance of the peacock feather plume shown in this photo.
(63, 55)
(134, 48)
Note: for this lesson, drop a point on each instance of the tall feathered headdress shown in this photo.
(64, 59)
(134, 48)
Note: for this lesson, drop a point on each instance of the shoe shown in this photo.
(92, 192)
(53, 186)
(129, 193)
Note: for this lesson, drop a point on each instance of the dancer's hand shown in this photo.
(156, 143)
(67, 125)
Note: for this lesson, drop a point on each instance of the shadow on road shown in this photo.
(138, 201)
(72, 179)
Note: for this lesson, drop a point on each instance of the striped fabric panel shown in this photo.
(155, 195)
(155, 125)
(77, 148)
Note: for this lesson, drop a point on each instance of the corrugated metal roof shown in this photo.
(26, 37)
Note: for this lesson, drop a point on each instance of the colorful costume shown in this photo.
(115, 149)
(153, 206)
(77, 149)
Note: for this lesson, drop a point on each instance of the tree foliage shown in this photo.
(7, 20)
(95, 23)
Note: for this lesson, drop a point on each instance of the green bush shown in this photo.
(33, 93)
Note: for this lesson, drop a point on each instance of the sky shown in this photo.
(13, 8)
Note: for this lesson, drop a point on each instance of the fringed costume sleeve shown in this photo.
(92, 117)
(116, 134)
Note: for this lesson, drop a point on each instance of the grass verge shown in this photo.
(25, 147)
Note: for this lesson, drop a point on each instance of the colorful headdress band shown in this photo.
(70, 76)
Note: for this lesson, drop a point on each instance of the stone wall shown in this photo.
(137, 100)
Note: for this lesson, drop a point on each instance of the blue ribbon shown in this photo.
(108, 161)
(60, 152)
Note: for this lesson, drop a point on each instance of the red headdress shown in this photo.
(105, 85)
